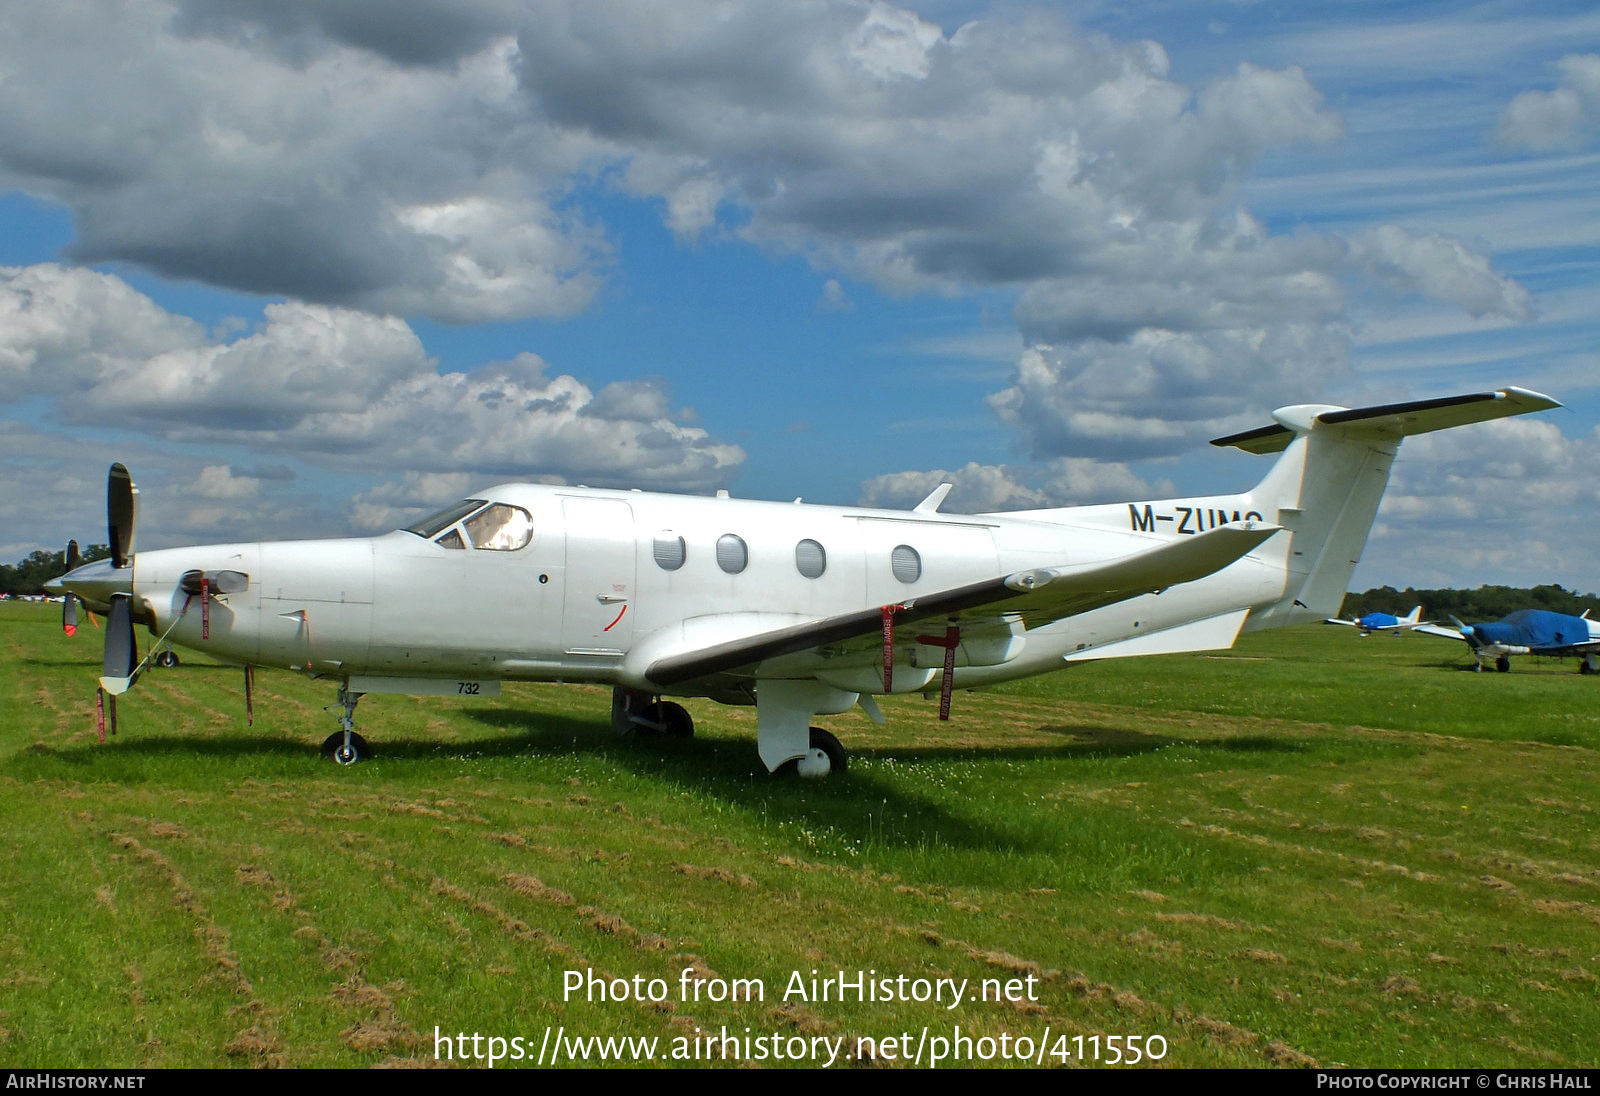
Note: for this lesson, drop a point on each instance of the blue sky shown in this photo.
(310, 267)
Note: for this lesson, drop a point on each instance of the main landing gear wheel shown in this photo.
(334, 749)
(671, 719)
(826, 757)
(167, 659)
(634, 711)
(1502, 665)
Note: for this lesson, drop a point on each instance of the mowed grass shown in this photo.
(1315, 848)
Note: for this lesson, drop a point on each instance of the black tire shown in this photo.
(824, 741)
(333, 749)
(167, 659)
(1502, 665)
(830, 748)
(675, 720)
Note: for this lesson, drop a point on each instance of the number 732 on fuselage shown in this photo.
(800, 610)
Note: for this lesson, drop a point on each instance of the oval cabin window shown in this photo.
(907, 565)
(732, 555)
(810, 559)
(669, 551)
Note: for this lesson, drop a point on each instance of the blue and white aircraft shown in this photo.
(1383, 622)
(797, 610)
(1528, 632)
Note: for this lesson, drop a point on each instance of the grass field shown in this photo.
(1314, 849)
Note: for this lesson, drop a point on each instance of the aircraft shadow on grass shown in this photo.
(855, 809)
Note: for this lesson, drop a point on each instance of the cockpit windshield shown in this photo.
(428, 526)
(496, 528)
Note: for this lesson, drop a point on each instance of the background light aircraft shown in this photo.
(799, 610)
(1382, 622)
(1528, 632)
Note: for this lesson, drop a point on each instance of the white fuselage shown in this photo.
(598, 592)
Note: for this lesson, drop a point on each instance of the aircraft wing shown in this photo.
(1035, 597)
(1440, 631)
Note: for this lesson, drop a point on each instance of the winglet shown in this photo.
(930, 505)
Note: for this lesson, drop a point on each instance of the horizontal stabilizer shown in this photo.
(1213, 634)
(1398, 419)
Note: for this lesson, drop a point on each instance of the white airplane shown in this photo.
(796, 609)
(1383, 622)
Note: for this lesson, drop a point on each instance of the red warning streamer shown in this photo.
(888, 612)
(249, 704)
(205, 607)
(951, 640)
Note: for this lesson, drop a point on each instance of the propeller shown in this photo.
(107, 586)
(121, 503)
(121, 652)
(1468, 632)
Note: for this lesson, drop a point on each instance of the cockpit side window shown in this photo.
(500, 528)
(431, 526)
(452, 539)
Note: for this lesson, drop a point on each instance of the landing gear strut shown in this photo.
(345, 747)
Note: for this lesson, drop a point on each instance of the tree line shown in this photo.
(1484, 603)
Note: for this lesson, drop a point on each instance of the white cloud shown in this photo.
(64, 330)
(250, 151)
(1441, 269)
(343, 388)
(1564, 120)
(834, 298)
(1500, 502)
(988, 488)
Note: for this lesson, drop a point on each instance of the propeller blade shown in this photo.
(121, 496)
(69, 604)
(121, 653)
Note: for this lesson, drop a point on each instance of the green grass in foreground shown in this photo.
(1315, 848)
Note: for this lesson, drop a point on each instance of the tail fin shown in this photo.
(1325, 489)
(1413, 617)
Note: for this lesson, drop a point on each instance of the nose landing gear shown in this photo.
(344, 746)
